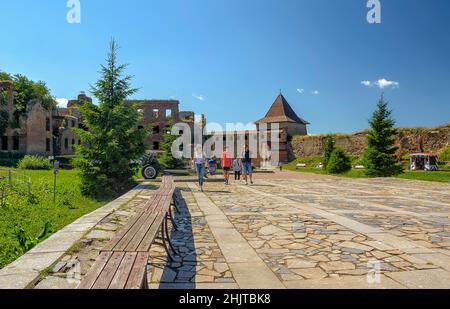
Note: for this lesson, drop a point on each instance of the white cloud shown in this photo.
(62, 103)
(315, 92)
(301, 91)
(199, 97)
(381, 83)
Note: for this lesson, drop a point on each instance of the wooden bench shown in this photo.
(122, 263)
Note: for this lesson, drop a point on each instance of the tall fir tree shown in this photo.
(111, 144)
(380, 159)
(329, 148)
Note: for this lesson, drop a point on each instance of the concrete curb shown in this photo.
(26, 270)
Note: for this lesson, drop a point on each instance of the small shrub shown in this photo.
(339, 162)
(35, 163)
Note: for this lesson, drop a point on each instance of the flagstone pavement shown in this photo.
(296, 230)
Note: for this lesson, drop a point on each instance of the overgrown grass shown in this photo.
(31, 213)
(34, 163)
(311, 162)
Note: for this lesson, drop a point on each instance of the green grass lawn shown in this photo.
(32, 213)
(439, 176)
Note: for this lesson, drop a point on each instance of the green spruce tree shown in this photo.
(329, 148)
(111, 141)
(339, 162)
(380, 159)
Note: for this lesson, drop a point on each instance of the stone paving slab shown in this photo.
(248, 268)
(345, 283)
(309, 233)
(423, 279)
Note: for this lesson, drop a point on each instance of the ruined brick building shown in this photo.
(50, 133)
(159, 115)
(40, 131)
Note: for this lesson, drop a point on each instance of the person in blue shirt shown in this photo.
(212, 164)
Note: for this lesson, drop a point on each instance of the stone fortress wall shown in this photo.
(407, 140)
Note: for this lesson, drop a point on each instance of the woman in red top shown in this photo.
(227, 161)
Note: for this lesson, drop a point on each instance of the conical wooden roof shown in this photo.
(280, 112)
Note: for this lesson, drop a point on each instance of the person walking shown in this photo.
(247, 164)
(237, 168)
(226, 165)
(199, 164)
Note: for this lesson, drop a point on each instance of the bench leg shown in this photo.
(163, 238)
(175, 225)
(166, 226)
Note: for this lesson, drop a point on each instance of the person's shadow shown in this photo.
(180, 274)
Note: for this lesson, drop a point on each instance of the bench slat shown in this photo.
(150, 236)
(107, 274)
(124, 236)
(140, 234)
(123, 272)
(138, 275)
(96, 269)
(122, 232)
(123, 243)
(164, 206)
(151, 204)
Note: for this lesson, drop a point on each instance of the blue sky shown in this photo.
(236, 55)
